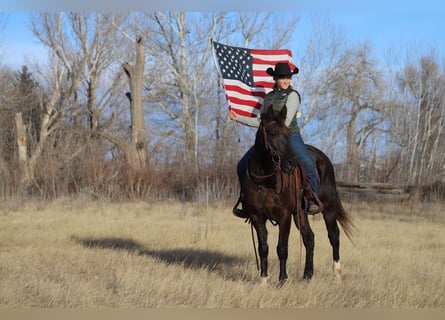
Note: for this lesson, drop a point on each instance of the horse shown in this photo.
(274, 190)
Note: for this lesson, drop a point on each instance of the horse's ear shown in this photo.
(283, 113)
(269, 113)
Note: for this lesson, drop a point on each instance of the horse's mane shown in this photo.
(273, 136)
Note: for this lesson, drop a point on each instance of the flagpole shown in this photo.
(236, 130)
(219, 73)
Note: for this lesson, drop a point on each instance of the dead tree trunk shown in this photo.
(25, 172)
(137, 151)
(22, 147)
(21, 138)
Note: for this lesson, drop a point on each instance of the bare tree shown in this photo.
(3, 22)
(53, 111)
(422, 85)
(80, 58)
(321, 53)
(175, 85)
(90, 48)
(181, 75)
(268, 30)
(350, 95)
(260, 30)
(137, 149)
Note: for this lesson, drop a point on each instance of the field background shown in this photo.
(95, 254)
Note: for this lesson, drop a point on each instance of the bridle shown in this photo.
(276, 161)
(285, 178)
(275, 157)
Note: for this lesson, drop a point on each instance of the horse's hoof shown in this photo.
(337, 271)
(263, 282)
(307, 277)
(281, 283)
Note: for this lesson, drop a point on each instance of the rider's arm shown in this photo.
(252, 122)
(292, 105)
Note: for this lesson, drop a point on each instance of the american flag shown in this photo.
(244, 75)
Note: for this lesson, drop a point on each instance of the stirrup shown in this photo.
(312, 209)
(314, 206)
(240, 213)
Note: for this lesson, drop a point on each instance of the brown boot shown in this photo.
(313, 208)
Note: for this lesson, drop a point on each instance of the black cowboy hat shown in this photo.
(281, 69)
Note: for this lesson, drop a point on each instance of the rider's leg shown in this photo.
(241, 170)
(304, 157)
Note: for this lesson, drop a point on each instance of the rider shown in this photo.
(282, 94)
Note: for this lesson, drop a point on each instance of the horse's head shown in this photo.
(273, 136)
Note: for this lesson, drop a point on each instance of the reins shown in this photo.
(261, 178)
(275, 158)
(297, 211)
(254, 248)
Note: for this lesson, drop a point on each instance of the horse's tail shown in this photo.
(327, 177)
(345, 220)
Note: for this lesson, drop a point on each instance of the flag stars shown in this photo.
(235, 63)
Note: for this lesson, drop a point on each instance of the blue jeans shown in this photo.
(241, 168)
(302, 155)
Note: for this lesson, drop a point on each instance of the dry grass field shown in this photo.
(75, 255)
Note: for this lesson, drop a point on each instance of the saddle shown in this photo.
(304, 190)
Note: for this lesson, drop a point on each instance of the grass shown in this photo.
(133, 255)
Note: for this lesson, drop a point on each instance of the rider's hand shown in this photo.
(233, 115)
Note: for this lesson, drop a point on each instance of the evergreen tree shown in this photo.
(28, 102)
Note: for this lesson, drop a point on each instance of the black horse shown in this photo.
(274, 191)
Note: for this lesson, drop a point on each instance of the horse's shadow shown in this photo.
(228, 266)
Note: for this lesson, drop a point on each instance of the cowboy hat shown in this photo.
(281, 69)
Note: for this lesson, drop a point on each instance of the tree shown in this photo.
(181, 56)
(352, 89)
(89, 50)
(27, 91)
(7, 101)
(136, 149)
(321, 53)
(422, 85)
(62, 82)
(181, 76)
(8, 145)
(257, 30)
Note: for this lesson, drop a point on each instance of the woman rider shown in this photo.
(282, 94)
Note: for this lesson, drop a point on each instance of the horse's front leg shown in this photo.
(263, 248)
(282, 247)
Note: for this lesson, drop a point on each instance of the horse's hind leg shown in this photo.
(308, 241)
(334, 238)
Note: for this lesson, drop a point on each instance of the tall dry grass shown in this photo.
(72, 254)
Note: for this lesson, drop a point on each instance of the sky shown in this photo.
(386, 30)
(386, 25)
